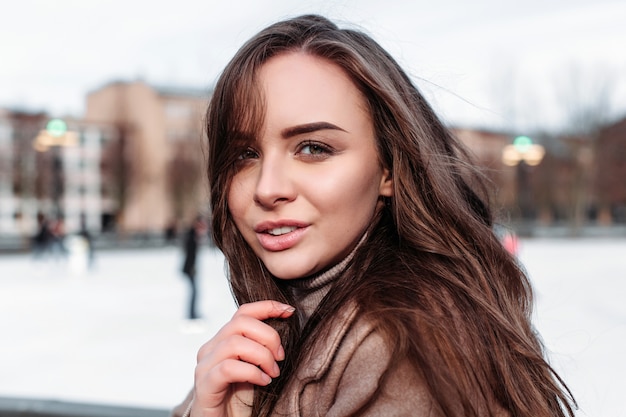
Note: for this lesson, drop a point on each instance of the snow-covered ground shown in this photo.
(580, 294)
(116, 334)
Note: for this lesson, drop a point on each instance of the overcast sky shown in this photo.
(495, 63)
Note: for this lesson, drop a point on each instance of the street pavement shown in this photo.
(116, 333)
(112, 334)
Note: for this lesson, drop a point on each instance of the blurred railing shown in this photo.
(17, 244)
(24, 407)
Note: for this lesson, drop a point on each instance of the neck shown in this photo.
(309, 292)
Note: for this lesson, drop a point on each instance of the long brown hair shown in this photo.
(431, 273)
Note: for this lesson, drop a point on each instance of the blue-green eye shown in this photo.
(312, 148)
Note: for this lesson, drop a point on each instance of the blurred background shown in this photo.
(101, 103)
(101, 162)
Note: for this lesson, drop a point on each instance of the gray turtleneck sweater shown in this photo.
(309, 292)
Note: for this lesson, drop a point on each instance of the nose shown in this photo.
(274, 184)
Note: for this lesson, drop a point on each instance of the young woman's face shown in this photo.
(305, 193)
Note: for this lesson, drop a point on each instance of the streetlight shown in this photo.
(523, 150)
(55, 136)
(523, 153)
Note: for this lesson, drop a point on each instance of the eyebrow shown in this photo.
(308, 128)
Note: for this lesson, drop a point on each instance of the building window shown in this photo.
(177, 110)
(5, 134)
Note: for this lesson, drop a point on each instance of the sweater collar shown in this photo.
(309, 292)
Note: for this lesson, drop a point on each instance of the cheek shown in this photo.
(237, 197)
(356, 191)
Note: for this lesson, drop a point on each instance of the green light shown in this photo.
(522, 143)
(56, 127)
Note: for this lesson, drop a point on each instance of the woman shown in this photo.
(338, 194)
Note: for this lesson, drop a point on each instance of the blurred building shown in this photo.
(155, 167)
(18, 205)
(610, 178)
(83, 196)
(486, 148)
(581, 179)
(59, 179)
(135, 165)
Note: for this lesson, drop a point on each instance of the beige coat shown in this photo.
(342, 374)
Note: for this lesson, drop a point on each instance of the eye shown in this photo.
(314, 149)
(249, 153)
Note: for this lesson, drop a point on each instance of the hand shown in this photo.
(242, 354)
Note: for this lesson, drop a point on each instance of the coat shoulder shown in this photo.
(361, 376)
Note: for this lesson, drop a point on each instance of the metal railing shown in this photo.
(25, 407)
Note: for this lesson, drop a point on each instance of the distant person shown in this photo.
(57, 244)
(88, 238)
(193, 237)
(171, 233)
(43, 238)
(508, 238)
(359, 245)
(511, 243)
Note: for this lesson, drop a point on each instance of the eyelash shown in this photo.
(323, 151)
(248, 153)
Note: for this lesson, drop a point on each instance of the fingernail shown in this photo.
(288, 308)
(267, 379)
(280, 355)
(276, 369)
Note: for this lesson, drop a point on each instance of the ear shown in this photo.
(386, 184)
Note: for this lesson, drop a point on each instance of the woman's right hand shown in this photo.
(242, 354)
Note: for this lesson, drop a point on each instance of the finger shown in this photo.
(243, 349)
(247, 322)
(266, 309)
(212, 390)
(263, 310)
(249, 328)
(228, 372)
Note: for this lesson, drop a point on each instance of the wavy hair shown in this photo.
(431, 274)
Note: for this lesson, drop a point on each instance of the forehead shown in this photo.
(303, 87)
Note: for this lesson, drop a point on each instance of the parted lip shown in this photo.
(266, 226)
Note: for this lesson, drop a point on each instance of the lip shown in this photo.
(283, 242)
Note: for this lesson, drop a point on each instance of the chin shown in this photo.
(289, 274)
(286, 275)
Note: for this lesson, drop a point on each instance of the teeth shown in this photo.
(281, 230)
